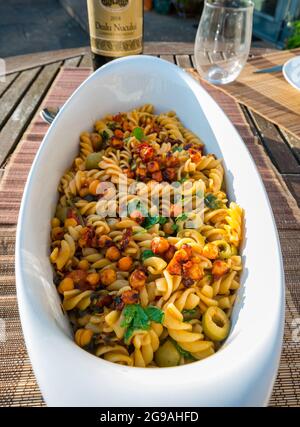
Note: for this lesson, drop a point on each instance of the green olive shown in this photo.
(224, 248)
(93, 160)
(215, 324)
(61, 213)
(167, 355)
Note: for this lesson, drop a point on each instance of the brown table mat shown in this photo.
(17, 382)
(268, 94)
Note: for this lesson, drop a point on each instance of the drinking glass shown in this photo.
(223, 39)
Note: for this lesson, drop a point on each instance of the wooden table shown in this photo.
(30, 76)
(27, 83)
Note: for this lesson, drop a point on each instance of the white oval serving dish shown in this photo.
(242, 373)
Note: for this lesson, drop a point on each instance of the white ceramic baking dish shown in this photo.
(242, 373)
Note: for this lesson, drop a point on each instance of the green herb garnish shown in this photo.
(183, 179)
(147, 254)
(175, 227)
(212, 202)
(184, 353)
(149, 221)
(155, 314)
(190, 312)
(105, 135)
(182, 217)
(113, 125)
(174, 149)
(138, 133)
(136, 317)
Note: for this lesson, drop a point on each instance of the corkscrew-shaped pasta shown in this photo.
(171, 127)
(182, 333)
(145, 344)
(144, 242)
(62, 255)
(114, 353)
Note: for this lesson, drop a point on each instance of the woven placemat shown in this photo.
(268, 94)
(17, 383)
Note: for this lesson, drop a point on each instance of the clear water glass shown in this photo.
(223, 39)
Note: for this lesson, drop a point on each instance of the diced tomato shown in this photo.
(219, 268)
(195, 155)
(119, 134)
(118, 118)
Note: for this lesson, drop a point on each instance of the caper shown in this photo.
(167, 355)
(93, 160)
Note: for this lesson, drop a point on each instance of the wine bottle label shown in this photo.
(116, 27)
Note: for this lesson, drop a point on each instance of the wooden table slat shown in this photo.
(72, 62)
(13, 129)
(169, 58)
(86, 60)
(23, 62)
(279, 152)
(293, 142)
(8, 81)
(15, 92)
(183, 61)
(293, 183)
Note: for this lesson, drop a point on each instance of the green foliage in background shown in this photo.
(294, 40)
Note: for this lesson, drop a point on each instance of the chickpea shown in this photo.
(93, 279)
(104, 241)
(157, 176)
(70, 222)
(168, 227)
(126, 125)
(108, 276)
(141, 172)
(113, 253)
(57, 233)
(116, 143)
(83, 265)
(159, 245)
(169, 174)
(130, 297)
(67, 284)
(55, 222)
(168, 255)
(96, 140)
(219, 268)
(137, 279)
(93, 187)
(83, 337)
(153, 166)
(210, 251)
(125, 263)
(129, 173)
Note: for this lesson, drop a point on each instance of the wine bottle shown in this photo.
(116, 29)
